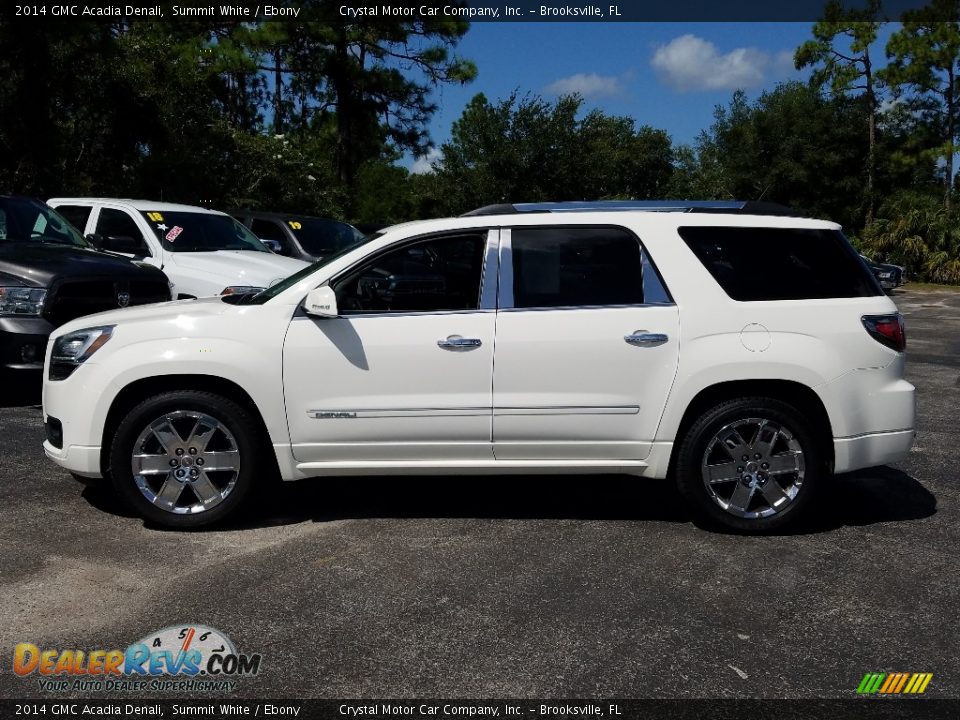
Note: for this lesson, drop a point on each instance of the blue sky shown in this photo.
(667, 75)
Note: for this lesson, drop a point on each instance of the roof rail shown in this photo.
(741, 207)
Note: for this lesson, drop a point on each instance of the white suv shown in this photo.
(203, 252)
(746, 355)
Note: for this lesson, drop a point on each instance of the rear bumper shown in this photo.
(863, 451)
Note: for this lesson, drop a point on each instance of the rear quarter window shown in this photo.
(754, 264)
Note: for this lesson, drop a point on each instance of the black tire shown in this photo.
(244, 431)
(692, 457)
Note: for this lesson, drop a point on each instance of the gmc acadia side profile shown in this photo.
(746, 355)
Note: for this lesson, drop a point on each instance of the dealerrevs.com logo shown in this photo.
(178, 658)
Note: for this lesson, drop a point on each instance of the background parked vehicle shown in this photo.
(889, 276)
(203, 252)
(300, 236)
(50, 275)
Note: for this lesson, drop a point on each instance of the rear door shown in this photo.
(586, 345)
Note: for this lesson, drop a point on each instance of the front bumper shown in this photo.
(23, 342)
(80, 459)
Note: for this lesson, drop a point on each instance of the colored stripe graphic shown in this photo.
(894, 683)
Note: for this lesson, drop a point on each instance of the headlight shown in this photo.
(241, 290)
(21, 300)
(73, 349)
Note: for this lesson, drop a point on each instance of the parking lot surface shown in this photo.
(513, 587)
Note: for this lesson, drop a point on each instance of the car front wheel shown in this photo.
(750, 464)
(186, 459)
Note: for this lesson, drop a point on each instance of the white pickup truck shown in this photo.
(203, 252)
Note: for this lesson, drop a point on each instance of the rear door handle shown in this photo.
(642, 338)
(455, 342)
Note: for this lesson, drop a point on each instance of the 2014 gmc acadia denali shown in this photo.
(747, 354)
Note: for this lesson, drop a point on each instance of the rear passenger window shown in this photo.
(579, 266)
(76, 215)
(752, 264)
(269, 230)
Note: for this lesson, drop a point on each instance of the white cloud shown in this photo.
(589, 85)
(689, 62)
(424, 164)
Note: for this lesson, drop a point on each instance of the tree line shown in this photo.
(314, 117)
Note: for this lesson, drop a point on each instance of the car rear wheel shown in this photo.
(186, 459)
(750, 464)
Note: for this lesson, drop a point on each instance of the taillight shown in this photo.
(887, 330)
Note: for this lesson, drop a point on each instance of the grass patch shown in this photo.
(927, 287)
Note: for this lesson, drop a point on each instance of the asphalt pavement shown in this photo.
(513, 587)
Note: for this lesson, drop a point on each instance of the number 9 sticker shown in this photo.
(294, 224)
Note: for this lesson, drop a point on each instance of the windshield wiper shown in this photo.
(46, 240)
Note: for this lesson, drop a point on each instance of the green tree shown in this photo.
(923, 65)
(794, 146)
(840, 55)
(528, 149)
(371, 82)
(915, 230)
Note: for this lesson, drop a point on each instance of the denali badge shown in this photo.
(123, 298)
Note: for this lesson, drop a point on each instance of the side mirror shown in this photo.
(273, 245)
(321, 302)
(95, 240)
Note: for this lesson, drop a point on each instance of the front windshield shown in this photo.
(319, 237)
(25, 220)
(275, 290)
(185, 231)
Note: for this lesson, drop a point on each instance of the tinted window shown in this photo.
(433, 275)
(117, 223)
(780, 263)
(321, 237)
(557, 267)
(23, 220)
(267, 230)
(76, 215)
(184, 231)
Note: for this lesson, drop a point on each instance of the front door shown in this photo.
(587, 341)
(404, 374)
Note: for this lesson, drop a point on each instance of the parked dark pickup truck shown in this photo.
(50, 275)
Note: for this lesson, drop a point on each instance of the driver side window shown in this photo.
(428, 276)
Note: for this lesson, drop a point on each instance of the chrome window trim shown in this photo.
(505, 294)
(586, 307)
(300, 315)
(490, 274)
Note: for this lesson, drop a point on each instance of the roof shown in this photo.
(271, 215)
(139, 205)
(743, 207)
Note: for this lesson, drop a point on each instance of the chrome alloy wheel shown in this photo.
(753, 468)
(185, 462)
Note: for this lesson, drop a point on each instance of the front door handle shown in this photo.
(642, 338)
(455, 342)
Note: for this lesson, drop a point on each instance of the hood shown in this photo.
(42, 264)
(238, 267)
(157, 311)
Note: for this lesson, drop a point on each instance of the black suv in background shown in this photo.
(50, 275)
(300, 236)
